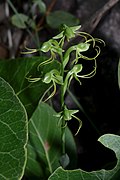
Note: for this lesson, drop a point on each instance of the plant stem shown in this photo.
(19, 17)
(62, 109)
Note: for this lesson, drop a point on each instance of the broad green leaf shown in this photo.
(15, 72)
(13, 134)
(22, 21)
(57, 18)
(44, 146)
(108, 140)
(119, 74)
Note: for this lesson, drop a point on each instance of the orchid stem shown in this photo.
(62, 109)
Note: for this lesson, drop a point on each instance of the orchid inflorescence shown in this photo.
(63, 77)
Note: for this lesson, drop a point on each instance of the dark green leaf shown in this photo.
(108, 140)
(58, 18)
(15, 72)
(13, 134)
(45, 142)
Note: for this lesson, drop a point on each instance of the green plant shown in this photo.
(64, 75)
(29, 124)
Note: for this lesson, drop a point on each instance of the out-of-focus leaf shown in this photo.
(44, 146)
(108, 140)
(22, 21)
(13, 134)
(58, 18)
(15, 72)
(41, 5)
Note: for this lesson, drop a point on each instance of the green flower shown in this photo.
(68, 32)
(54, 77)
(67, 115)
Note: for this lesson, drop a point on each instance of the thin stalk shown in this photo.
(13, 8)
(62, 109)
(16, 12)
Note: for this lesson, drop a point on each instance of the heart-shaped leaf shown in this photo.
(108, 140)
(13, 134)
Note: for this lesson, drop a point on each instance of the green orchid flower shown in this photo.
(67, 115)
(73, 73)
(67, 32)
(53, 77)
